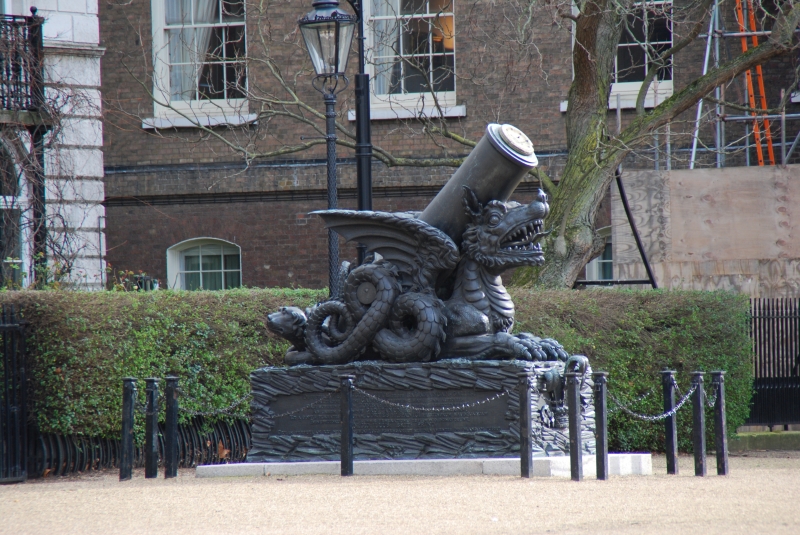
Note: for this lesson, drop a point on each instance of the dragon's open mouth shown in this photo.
(524, 237)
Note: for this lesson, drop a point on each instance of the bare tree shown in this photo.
(594, 150)
(270, 83)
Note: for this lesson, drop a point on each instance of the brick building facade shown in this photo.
(170, 185)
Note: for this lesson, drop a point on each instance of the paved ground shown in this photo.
(760, 496)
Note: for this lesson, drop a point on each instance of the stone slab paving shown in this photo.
(760, 496)
(620, 464)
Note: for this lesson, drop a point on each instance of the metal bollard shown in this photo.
(171, 428)
(699, 424)
(525, 425)
(575, 442)
(126, 443)
(670, 423)
(601, 423)
(151, 429)
(347, 425)
(720, 427)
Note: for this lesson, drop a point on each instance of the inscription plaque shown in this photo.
(296, 411)
(373, 417)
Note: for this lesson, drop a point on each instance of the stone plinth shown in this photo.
(296, 411)
(619, 464)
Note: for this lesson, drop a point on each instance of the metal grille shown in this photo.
(775, 331)
(13, 431)
(21, 63)
(199, 442)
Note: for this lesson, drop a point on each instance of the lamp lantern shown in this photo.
(328, 33)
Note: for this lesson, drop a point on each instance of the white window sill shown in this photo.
(624, 103)
(389, 114)
(629, 92)
(201, 120)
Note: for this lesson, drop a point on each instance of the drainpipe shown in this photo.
(101, 220)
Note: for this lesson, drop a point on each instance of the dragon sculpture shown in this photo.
(420, 297)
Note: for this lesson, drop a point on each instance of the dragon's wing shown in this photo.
(415, 247)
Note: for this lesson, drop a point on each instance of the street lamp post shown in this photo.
(363, 134)
(328, 33)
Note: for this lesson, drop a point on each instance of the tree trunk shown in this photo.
(585, 179)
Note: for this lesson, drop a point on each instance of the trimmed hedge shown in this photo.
(634, 334)
(82, 345)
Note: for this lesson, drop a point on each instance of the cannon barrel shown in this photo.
(492, 170)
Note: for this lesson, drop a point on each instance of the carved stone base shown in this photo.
(296, 411)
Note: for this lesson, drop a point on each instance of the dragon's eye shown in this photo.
(494, 219)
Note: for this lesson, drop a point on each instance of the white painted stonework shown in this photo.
(619, 464)
(74, 159)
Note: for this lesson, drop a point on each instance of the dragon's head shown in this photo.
(503, 235)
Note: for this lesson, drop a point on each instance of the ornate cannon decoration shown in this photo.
(430, 288)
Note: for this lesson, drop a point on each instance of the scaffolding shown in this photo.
(757, 125)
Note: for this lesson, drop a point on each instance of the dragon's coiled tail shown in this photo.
(352, 325)
(416, 329)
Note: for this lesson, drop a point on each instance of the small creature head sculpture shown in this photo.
(289, 323)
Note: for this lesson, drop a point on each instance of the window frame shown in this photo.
(175, 255)
(17, 204)
(659, 90)
(189, 113)
(594, 268)
(628, 92)
(408, 105)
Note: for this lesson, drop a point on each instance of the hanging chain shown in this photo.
(677, 388)
(635, 401)
(711, 401)
(648, 418)
(212, 412)
(294, 411)
(459, 407)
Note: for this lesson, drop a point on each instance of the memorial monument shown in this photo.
(425, 327)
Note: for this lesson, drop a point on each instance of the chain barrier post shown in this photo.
(720, 427)
(575, 442)
(525, 425)
(601, 422)
(347, 425)
(126, 443)
(171, 428)
(699, 424)
(670, 422)
(151, 429)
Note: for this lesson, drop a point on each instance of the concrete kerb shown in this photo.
(780, 441)
(620, 464)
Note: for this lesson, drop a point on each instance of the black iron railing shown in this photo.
(13, 413)
(199, 442)
(775, 332)
(21, 52)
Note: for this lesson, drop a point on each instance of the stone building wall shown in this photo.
(74, 158)
(712, 229)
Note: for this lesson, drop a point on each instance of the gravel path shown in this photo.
(760, 496)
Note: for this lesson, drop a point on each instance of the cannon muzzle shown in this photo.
(493, 170)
